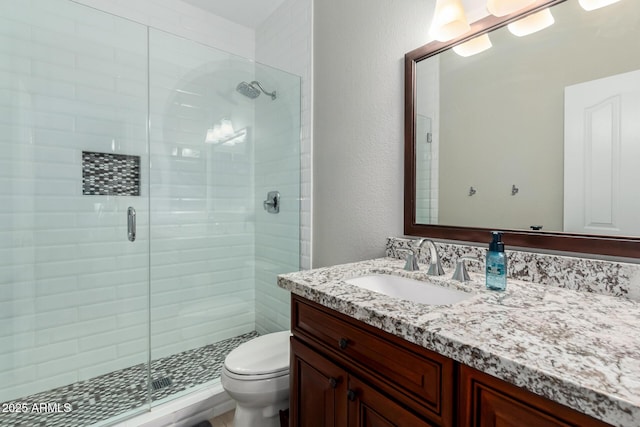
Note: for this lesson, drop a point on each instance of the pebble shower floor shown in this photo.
(87, 402)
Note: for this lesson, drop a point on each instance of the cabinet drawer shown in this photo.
(410, 369)
(486, 401)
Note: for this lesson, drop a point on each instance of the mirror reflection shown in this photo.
(536, 131)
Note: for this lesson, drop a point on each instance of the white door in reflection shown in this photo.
(602, 156)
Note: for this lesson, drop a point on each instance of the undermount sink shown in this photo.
(409, 289)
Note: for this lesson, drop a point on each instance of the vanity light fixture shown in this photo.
(449, 20)
(532, 23)
(595, 4)
(473, 46)
(506, 7)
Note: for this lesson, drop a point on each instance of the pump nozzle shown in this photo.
(496, 244)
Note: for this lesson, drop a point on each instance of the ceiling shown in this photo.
(250, 13)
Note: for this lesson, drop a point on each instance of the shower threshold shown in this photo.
(88, 402)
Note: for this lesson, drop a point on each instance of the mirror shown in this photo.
(538, 136)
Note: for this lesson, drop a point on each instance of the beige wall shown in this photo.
(359, 48)
(512, 128)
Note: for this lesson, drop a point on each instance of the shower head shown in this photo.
(252, 90)
(248, 90)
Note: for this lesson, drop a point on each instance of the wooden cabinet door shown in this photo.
(369, 408)
(318, 390)
(486, 401)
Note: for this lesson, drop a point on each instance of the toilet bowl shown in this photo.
(256, 376)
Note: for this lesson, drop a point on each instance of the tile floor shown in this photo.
(103, 397)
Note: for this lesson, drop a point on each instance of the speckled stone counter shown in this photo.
(579, 349)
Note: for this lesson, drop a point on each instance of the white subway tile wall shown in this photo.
(202, 220)
(284, 41)
(277, 169)
(73, 289)
(428, 147)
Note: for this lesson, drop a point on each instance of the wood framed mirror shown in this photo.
(524, 195)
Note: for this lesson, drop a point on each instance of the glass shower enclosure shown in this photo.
(136, 249)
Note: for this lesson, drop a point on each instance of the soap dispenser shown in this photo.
(496, 263)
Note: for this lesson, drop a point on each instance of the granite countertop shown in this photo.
(579, 349)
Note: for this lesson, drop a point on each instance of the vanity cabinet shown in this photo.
(486, 401)
(345, 373)
(329, 396)
(319, 389)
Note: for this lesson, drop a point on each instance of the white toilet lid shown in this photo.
(267, 354)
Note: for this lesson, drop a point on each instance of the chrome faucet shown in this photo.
(435, 267)
(461, 274)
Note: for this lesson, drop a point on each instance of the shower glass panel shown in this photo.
(106, 123)
(215, 252)
(277, 167)
(73, 160)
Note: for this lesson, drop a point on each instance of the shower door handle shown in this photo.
(131, 224)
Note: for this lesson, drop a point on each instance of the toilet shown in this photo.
(256, 376)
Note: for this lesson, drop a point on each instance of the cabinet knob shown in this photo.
(351, 395)
(343, 343)
(333, 382)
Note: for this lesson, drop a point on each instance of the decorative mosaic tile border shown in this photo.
(599, 276)
(87, 402)
(107, 174)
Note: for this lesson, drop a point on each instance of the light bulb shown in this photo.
(449, 20)
(473, 46)
(532, 23)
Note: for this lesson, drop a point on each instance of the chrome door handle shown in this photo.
(131, 224)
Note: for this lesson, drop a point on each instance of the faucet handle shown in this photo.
(461, 274)
(435, 267)
(411, 263)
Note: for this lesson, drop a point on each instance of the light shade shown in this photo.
(532, 23)
(449, 20)
(473, 46)
(506, 7)
(595, 4)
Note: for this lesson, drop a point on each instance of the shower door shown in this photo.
(73, 165)
(215, 153)
(135, 251)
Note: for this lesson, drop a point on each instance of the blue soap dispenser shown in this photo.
(496, 264)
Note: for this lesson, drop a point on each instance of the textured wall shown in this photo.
(358, 163)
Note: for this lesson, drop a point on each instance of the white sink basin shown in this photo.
(409, 289)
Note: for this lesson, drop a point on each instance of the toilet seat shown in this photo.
(261, 358)
(253, 377)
